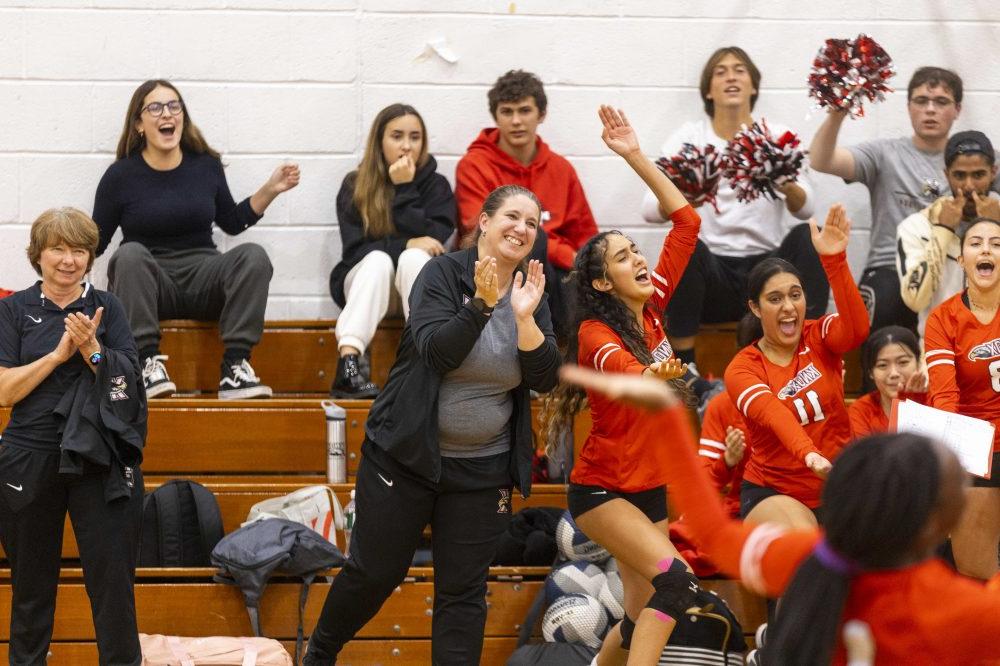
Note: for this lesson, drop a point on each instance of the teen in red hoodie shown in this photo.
(513, 154)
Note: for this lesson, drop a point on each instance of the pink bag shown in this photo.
(159, 650)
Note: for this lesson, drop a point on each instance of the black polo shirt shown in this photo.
(31, 327)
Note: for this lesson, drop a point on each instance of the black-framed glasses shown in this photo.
(156, 108)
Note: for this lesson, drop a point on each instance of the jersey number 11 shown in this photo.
(800, 407)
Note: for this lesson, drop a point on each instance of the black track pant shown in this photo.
(468, 510)
(713, 288)
(31, 530)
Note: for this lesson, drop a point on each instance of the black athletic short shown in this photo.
(994, 480)
(652, 502)
(751, 495)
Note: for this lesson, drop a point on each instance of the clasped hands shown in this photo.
(80, 336)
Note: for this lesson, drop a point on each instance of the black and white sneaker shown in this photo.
(155, 378)
(240, 382)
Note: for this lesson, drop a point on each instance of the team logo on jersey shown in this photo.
(503, 502)
(985, 351)
(118, 387)
(804, 378)
(663, 351)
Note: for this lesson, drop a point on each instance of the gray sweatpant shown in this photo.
(201, 283)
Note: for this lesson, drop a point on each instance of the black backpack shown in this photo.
(249, 556)
(181, 523)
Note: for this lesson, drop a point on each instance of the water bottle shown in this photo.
(349, 514)
(336, 442)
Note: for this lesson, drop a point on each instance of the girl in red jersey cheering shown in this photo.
(963, 360)
(891, 359)
(890, 500)
(617, 494)
(789, 386)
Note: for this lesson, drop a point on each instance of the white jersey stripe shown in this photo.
(940, 361)
(712, 443)
(746, 405)
(752, 388)
(826, 323)
(709, 454)
(935, 352)
(611, 347)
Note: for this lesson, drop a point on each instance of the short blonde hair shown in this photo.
(62, 225)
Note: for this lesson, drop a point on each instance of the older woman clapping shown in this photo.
(64, 348)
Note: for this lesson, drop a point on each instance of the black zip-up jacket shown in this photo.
(423, 207)
(442, 330)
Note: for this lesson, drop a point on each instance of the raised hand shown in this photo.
(637, 390)
(284, 178)
(917, 383)
(402, 170)
(618, 134)
(487, 284)
(835, 234)
(735, 446)
(672, 368)
(950, 213)
(986, 206)
(526, 290)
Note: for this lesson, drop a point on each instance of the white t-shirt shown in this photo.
(738, 229)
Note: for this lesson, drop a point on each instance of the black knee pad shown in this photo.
(626, 628)
(675, 590)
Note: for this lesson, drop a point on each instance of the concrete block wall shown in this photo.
(268, 80)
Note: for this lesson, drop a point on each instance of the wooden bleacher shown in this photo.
(246, 451)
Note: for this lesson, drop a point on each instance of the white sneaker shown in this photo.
(240, 382)
(155, 378)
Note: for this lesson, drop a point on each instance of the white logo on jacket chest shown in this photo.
(806, 376)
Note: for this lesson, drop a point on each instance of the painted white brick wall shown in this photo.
(301, 79)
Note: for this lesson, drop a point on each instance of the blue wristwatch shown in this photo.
(95, 358)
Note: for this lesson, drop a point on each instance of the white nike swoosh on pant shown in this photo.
(599, 492)
(17, 488)
(387, 481)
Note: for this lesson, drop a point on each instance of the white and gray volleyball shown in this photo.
(575, 618)
(570, 577)
(612, 595)
(575, 545)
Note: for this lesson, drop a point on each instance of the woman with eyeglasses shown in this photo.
(165, 189)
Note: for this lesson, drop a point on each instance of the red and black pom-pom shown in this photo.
(757, 164)
(845, 72)
(695, 171)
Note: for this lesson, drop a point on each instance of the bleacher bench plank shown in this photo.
(362, 652)
(235, 500)
(292, 357)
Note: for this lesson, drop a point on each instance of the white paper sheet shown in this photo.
(971, 439)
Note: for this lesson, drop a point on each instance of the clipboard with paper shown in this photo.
(971, 439)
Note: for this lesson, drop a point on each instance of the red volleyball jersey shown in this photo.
(963, 362)
(797, 409)
(623, 452)
(720, 413)
(868, 417)
(923, 613)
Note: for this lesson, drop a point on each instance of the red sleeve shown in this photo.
(755, 400)
(940, 358)
(861, 425)
(712, 442)
(848, 328)
(602, 349)
(678, 247)
(473, 183)
(764, 557)
(575, 229)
